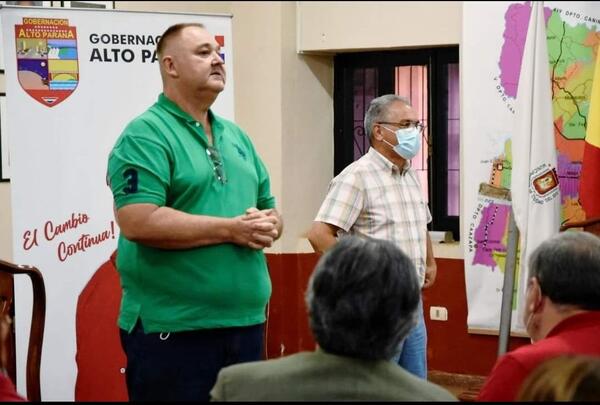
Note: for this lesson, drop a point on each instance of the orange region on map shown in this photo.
(573, 148)
(572, 211)
(502, 168)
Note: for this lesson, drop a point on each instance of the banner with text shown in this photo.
(74, 79)
(492, 50)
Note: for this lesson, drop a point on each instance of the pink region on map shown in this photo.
(515, 32)
(568, 175)
(489, 234)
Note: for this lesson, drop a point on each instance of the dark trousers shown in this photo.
(183, 366)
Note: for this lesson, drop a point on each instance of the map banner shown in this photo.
(491, 54)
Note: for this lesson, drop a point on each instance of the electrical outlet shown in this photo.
(438, 313)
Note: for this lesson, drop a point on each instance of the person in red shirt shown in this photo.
(8, 392)
(562, 311)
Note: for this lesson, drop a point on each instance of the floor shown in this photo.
(464, 387)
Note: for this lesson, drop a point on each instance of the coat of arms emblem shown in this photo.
(47, 65)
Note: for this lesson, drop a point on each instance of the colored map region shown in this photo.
(571, 54)
(515, 32)
(571, 50)
(502, 168)
(490, 234)
(494, 37)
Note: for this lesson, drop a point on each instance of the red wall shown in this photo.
(450, 348)
(287, 323)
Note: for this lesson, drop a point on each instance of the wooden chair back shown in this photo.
(38, 319)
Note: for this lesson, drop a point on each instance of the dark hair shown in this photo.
(362, 298)
(172, 31)
(567, 267)
(563, 378)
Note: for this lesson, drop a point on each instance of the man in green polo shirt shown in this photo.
(194, 205)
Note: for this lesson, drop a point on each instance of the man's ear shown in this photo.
(537, 299)
(168, 66)
(376, 132)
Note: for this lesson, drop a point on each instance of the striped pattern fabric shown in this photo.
(373, 197)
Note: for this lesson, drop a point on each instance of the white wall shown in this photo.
(329, 26)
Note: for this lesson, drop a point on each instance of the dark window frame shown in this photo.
(436, 60)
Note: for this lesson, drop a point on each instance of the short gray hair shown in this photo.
(378, 110)
(363, 298)
(567, 267)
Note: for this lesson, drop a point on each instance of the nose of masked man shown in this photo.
(409, 141)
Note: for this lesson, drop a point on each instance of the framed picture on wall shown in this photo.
(28, 3)
(4, 155)
(19, 3)
(89, 4)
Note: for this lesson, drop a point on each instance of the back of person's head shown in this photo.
(567, 268)
(378, 110)
(563, 378)
(362, 298)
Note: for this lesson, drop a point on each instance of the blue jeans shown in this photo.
(183, 366)
(412, 352)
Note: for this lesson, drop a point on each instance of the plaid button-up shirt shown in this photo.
(373, 197)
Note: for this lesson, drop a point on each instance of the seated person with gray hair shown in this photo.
(362, 300)
(562, 311)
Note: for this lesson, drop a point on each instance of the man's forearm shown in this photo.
(322, 236)
(430, 259)
(323, 243)
(167, 228)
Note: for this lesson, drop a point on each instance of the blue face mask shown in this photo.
(409, 142)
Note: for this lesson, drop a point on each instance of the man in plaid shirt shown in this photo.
(379, 196)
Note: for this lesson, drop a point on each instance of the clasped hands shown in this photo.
(258, 229)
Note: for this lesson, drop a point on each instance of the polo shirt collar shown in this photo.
(578, 321)
(166, 103)
(385, 164)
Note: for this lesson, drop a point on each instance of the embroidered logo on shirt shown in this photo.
(131, 175)
(240, 151)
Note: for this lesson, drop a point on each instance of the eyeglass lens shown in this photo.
(406, 124)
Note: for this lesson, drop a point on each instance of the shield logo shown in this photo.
(545, 182)
(47, 65)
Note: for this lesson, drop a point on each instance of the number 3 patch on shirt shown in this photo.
(131, 175)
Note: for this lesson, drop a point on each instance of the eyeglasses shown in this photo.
(215, 158)
(405, 124)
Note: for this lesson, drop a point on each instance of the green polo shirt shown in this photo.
(161, 158)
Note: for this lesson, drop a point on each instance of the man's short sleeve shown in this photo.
(265, 198)
(343, 203)
(138, 171)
